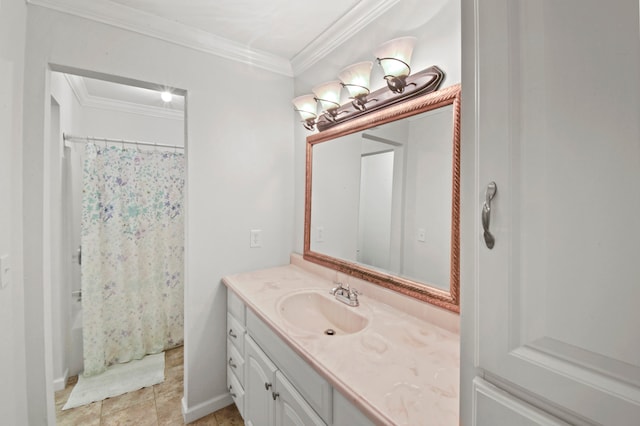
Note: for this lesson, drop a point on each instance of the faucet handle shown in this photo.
(353, 294)
(353, 297)
(338, 286)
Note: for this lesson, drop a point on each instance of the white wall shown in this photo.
(72, 117)
(105, 123)
(239, 161)
(436, 24)
(13, 397)
(428, 187)
(336, 185)
(67, 121)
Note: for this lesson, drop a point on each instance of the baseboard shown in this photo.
(61, 382)
(205, 408)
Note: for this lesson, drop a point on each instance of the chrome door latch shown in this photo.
(490, 192)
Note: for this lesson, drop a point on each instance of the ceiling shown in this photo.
(282, 36)
(280, 27)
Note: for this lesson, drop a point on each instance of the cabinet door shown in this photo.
(496, 407)
(259, 381)
(314, 389)
(291, 408)
(556, 108)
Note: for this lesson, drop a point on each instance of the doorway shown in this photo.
(109, 114)
(374, 222)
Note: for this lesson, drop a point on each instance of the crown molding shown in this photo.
(123, 106)
(78, 87)
(344, 28)
(85, 99)
(151, 25)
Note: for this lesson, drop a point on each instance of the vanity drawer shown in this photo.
(313, 387)
(235, 306)
(235, 333)
(235, 362)
(236, 391)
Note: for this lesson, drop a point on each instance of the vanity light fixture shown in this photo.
(166, 96)
(307, 107)
(329, 96)
(356, 79)
(394, 57)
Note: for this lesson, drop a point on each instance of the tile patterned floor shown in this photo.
(158, 405)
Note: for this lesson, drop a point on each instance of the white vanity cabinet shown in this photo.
(291, 408)
(315, 390)
(260, 391)
(235, 350)
(345, 414)
(286, 388)
(550, 312)
(276, 386)
(270, 399)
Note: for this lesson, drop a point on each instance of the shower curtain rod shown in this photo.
(86, 139)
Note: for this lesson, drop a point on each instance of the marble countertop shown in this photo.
(400, 369)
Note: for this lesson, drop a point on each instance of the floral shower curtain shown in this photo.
(133, 254)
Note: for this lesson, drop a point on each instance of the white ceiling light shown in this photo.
(166, 96)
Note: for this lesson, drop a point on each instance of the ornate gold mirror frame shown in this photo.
(446, 299)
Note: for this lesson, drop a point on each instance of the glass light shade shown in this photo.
(399, 48)
(166, 96)
(307, 106)
(328, 94)
(356, 78)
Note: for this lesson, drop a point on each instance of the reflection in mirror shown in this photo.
(382, 198)
(375, 208)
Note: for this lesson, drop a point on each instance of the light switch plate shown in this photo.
(256, 238)
(5, 271)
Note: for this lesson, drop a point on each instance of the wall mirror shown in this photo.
(382, 197)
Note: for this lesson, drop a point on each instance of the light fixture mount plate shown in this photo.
(425, 81)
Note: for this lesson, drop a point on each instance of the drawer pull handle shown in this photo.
(231, 363)
(232, 334)
(267, 385)
(231, 392)
(275, 395)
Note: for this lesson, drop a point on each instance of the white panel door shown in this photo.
(259, 386)
(557, 128)
(493, 406)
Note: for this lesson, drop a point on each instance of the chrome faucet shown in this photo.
(345, 294)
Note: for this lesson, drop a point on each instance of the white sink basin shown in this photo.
(316, 312)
